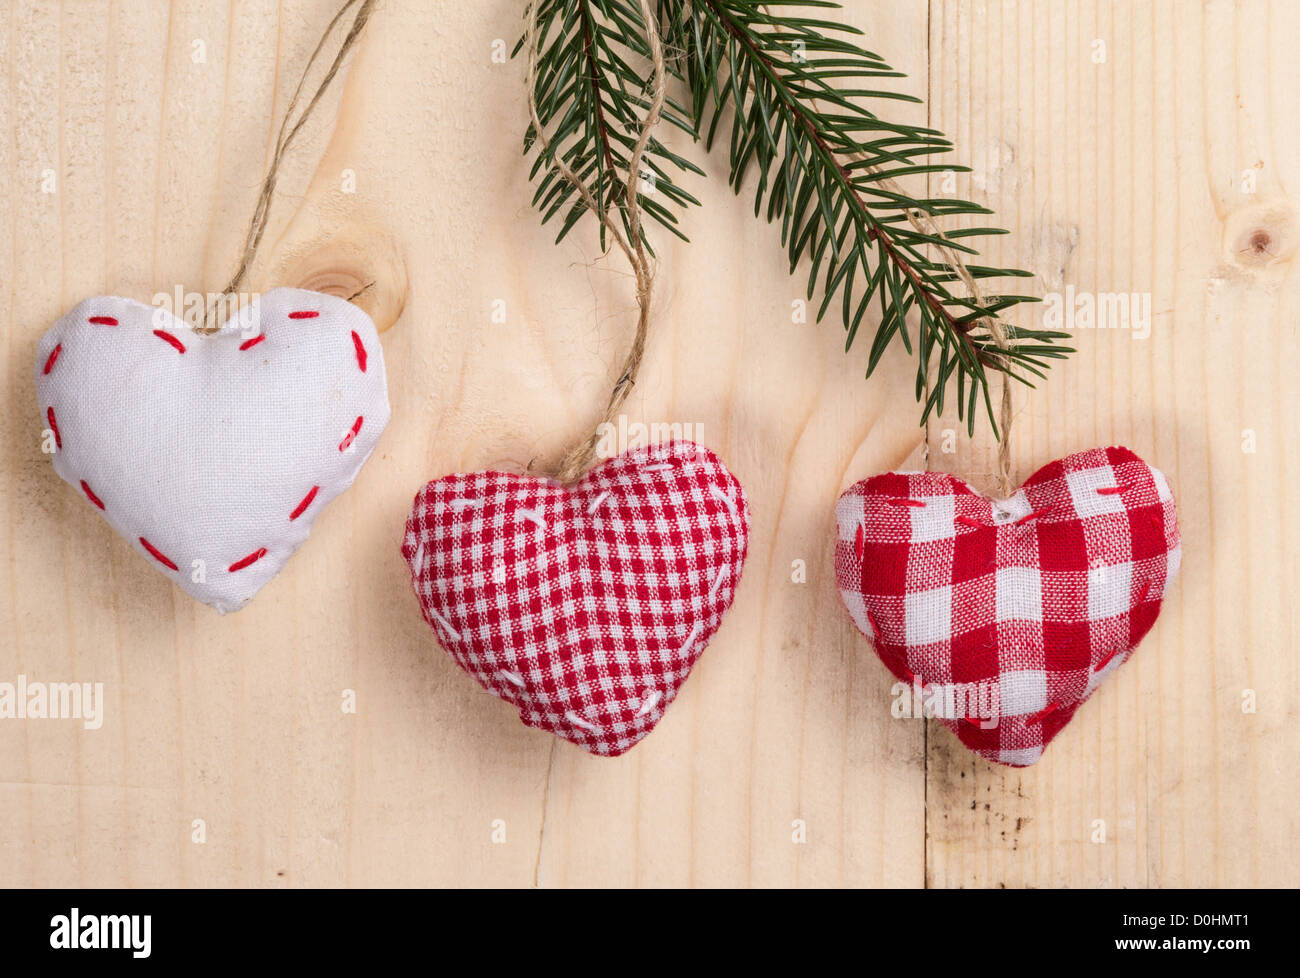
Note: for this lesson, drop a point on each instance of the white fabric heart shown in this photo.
(213, 455)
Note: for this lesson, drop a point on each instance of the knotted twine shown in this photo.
(580, 458)
(285, 137)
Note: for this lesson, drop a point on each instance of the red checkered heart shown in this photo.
(1008, 613)
(583, 606)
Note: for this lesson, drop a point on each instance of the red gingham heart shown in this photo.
(584, 606)
(1010, 611)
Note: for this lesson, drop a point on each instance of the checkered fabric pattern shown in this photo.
(1009, 613)
(584, 606)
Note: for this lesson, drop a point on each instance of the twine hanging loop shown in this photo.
(581, 457)
(288, 132)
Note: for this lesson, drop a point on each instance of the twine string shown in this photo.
(998, 330)
(580, 458)
(286, 136)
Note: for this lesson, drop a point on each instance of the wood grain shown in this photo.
(779, 764)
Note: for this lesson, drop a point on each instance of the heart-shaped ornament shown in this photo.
(1008, 613)
(213, 454)
(583, 606)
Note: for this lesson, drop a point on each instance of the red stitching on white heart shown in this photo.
(361, 351)
(54, 427)
(243, 562)
(180, 347)
(919, 504)
(1111, 490)
(351, 435)
(167, 337)
(302, 506)
(158, 555)
(90, 495)
(175, 341)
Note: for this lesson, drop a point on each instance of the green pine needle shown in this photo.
(794, 96)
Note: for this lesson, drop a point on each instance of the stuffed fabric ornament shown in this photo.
(213, 455)
(1036, 599)
(583, 606)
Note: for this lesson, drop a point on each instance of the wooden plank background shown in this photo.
(1131, 147)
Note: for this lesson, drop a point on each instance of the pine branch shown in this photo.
(792, 92)
(591, 90)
